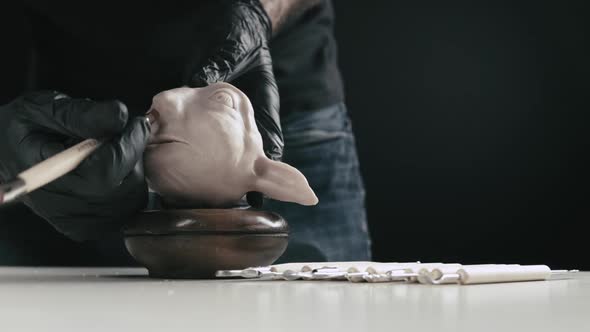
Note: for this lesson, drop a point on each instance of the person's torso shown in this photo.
(305, 61)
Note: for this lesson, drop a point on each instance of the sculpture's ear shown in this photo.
(282, 182)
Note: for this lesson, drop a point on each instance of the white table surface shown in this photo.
(115, 299)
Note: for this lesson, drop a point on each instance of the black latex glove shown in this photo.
(237, 52)
(106, 189)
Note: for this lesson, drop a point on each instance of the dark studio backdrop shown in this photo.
(472, 128)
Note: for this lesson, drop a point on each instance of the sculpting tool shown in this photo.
(424, 273)
(50, 169)
(47, 171)
(490, 273)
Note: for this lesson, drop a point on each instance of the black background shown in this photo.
(472, 129)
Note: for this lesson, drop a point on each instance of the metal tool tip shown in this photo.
(11, 191)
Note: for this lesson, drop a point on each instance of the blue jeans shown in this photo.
(319, 143)
(322, 146)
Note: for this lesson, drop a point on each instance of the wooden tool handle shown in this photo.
(58, 165)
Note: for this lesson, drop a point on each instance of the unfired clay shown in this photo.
(205, 149)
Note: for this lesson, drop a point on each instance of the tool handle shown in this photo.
(58, 165)
(502, 273)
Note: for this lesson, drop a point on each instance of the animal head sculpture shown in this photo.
(205, 149)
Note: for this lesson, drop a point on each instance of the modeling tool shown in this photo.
(47, 171)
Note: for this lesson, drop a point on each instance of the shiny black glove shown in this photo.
(106, 189)
(237, 52)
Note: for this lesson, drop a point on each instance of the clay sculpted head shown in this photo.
(205, 150)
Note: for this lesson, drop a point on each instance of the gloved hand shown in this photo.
(237, 52)
(106, 189)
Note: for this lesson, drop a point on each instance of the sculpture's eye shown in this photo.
(223, 98)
